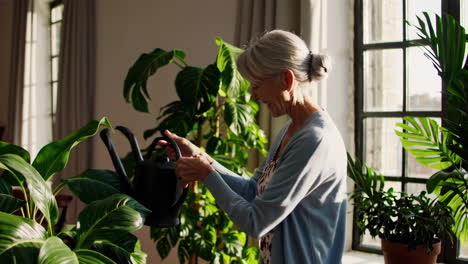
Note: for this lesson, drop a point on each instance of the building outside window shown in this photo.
(394, 79)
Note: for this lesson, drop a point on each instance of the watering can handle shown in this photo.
(171, 142)
(105, 136)
(133, 142)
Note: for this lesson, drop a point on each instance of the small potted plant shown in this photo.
(410, 226)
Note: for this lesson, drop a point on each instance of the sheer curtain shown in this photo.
(303, 17)
(75, 98)
(36, 106)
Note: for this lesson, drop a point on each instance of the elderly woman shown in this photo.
(296, 201)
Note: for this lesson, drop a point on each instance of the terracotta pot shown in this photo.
(397, 253)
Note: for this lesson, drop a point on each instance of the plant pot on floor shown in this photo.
(397, 253)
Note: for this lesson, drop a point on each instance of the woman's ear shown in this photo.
(288, 79)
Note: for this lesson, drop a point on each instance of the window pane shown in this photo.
(416, 8)
(54, 97)
(417, 188)
(382, 21)
(55, 39)
(55, 69)
(464, 13)
(382, 145)
(56, 13)
(463, 250)
(424, 84)
(416, 169)
(383, 80)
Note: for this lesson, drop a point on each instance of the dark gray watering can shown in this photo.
(155, 184)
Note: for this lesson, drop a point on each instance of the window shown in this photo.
(56, 11)
(394, 79)
(40, 79)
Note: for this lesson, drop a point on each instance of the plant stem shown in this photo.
(22, 211)
(27, 201)
(58, 188)
(178, 64)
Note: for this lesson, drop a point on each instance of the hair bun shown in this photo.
(320, 66)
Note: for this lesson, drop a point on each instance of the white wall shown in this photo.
(340, 85)
(125, 29)
(6, 17)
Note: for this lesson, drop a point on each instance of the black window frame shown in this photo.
(452, 7)
(52, 5)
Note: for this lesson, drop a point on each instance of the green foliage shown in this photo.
(444, 148)
(102, 234)
(215, 110)
(398, 217)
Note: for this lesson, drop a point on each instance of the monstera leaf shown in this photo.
(232, 83)
(53, 157)
(135, 85)
(237, 116)
(198, 87)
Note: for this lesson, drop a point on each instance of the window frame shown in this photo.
(452, 7)
(52, 5)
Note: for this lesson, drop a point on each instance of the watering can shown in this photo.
(154, 184)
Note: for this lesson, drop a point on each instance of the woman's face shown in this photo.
(273, 93)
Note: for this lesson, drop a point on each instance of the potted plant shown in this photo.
(444, 147)
(102, 234)
(409, 225)
(214, 110)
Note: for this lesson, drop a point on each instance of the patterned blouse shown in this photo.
(267, 240)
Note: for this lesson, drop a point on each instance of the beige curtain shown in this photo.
(75, 99)
(16, 85)
(303, 17)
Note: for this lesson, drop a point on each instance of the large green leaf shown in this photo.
(135, 85)
(39, 190)
(177, 116)
(54, 251)
(92, 257)
(9, 203)
(451, 187)
(53, 157)
(237, 116)
(423, 138)
(122, 247)
(93, 185)
(16, 231)
(101, 219)
(24, 251)
(232, 83)
(7, 148)
(198, 87)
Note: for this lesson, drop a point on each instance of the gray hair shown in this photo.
(279, 50)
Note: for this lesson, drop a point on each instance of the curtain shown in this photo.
(17, 61)
(302, 17)
(75, 97)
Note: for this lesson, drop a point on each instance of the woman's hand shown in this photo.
(190, 169)
(187, 149)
